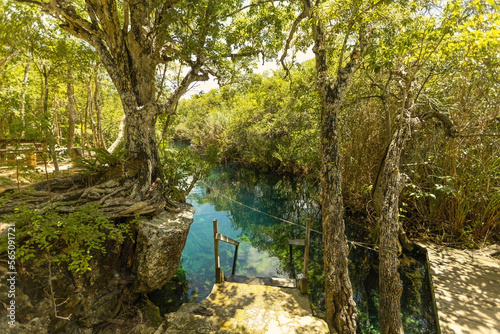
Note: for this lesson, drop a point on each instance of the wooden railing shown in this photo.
(283, 282)
(303, 282)
(10, 148)
(219, 274)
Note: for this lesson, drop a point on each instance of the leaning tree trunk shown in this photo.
(119, 137)
(390, 284)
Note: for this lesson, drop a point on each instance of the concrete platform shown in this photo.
(243, 308)
(467, 289)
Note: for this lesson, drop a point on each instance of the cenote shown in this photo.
(263, 211)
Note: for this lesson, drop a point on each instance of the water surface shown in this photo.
(263, 212)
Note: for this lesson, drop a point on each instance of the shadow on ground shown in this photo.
(467, 289)
(252, 309)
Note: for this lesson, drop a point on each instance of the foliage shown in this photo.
(41, 50)
(182, 168)
(272, 124)
(264, 121)
(102, 161)
(71, 240)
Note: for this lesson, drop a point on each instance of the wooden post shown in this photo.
(304, 281)
(219, 275)
(234, 260)
(30, 158)
(291, 261)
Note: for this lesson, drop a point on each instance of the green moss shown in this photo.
(151, 312)
(412, 277)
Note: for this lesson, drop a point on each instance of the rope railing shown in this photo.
(353, 243)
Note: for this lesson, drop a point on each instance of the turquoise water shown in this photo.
(231, 195)
(263, 212)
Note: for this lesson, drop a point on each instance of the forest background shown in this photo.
(402, 96)
(54, 89)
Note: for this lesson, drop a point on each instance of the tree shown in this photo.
(132, 38)
(410, 59)
(349, 23)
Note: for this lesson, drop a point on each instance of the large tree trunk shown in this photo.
(140, 143)
(341, 310)
(340, 307)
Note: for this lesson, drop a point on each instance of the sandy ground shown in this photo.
(9, 176)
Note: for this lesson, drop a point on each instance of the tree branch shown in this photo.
(449, 127)
(293, 30)
(168, 107)
(234, 56)
(38, 3)
(9, 57)
(248, 6)
(479, 135)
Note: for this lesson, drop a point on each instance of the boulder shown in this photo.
(160, 241)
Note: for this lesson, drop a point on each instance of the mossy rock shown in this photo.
(151, 312)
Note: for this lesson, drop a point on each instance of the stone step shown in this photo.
(269, 281)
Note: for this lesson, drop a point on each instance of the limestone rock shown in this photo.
(160, 241)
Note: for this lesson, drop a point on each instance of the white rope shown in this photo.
(355, 243)
(257, 210)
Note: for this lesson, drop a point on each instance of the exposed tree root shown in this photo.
(117, 198)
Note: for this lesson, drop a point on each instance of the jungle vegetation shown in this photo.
(396, 117)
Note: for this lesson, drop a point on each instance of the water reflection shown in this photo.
(233, 193)
(252, 208)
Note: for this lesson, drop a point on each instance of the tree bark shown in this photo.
(140, 143)
(390, 284)
(88, 105)
(55, 124)
(23, 98)
(119, 138)
(341, 313)
(91, 106)
(45, 109)
(98, 109)
(71, 112)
